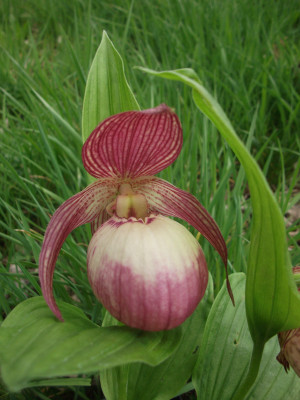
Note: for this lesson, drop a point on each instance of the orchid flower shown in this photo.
(146, 269)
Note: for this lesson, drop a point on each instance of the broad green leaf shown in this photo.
(272, 300)
(162, 382)
(35, 346)
(107, 91)
(224, 354)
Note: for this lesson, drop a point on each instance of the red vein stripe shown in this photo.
(133, 144)
(169, 200)
(80, 209)
(101, 218)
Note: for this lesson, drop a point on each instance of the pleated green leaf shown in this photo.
(35, 346)
(107, 91)
(162, 382)
(224, 354)
(272, 299)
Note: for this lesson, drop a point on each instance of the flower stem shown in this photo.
(243, 389)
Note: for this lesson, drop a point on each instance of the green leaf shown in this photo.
(61, 382)
(224, 354)
(35, 346)
(107, 91)
(162, 382)
(272, 299)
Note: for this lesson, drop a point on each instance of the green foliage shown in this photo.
(107, 91)
(224, 354)
(34, 345)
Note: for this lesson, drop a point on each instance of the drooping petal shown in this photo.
(167, 199)
(101, 218)
(133, 144)
(150, 274)
(80, 209)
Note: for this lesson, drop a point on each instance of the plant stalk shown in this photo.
(243, 389)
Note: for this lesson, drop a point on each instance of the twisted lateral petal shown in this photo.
(167, 199)
(101, 218)
(133, 143)
(80, 209)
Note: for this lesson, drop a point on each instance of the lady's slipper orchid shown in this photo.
(146, 269)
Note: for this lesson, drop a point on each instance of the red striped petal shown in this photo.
(101, 218)
(80, 209)
(133, 144)
(167, 199)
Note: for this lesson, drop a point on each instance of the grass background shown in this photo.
(246, 53)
